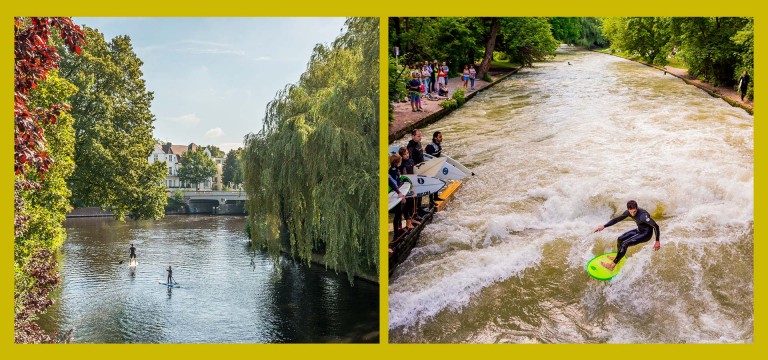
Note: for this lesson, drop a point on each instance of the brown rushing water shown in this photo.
(559, 149)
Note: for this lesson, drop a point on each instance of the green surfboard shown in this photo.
(599, 272)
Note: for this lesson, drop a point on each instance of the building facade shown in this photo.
(171, 155)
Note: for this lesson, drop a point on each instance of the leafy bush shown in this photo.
(449, 104)
(458, 95)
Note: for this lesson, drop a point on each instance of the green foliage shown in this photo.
(311, 173)
(398, 75)
(648, 37)
(526, 40)
(113, 131)
(449, 104)
(567, 30)
(196, 167)
(48, 206)
(706, 44)
(458, 95)
(745, 39)
(591, 35)
(215, 151)
(232, 170)
(176, 201)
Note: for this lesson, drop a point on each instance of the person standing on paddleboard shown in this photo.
(132, 257)
(170, 276)
(645, 229)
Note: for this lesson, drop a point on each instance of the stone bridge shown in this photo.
(215, 202)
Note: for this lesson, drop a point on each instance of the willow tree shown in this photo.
(311, 173)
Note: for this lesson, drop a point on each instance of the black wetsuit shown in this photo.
(417, 153)
(170, 275)
(133, 252)
(645, 229)
(434, 149)
(397, 222)
(406, 168)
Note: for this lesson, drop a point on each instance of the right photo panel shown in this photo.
(571, 180)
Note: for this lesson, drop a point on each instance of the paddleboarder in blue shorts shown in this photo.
(645, 229)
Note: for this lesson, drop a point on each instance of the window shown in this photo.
(155, 157)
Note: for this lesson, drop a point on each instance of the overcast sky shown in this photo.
(213, 77)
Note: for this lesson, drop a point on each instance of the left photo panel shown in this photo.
(196, 180)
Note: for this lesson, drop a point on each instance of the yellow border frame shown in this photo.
(383, 10)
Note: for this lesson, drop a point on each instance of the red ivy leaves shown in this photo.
(34, 58)
(42, 268)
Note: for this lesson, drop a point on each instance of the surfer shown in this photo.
(394, 174)
(406, 168)
(645, 229)
(414, 147)
(170, 279)
(132, 257)
(435, 147)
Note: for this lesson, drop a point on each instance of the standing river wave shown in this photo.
(558, 150)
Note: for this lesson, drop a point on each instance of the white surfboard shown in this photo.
(453, 162)
(439, 168)
(394, 199)
(424, 185)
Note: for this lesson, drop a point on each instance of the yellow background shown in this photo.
(380, 9)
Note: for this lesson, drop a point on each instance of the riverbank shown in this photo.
(405, 120)
(728, 94)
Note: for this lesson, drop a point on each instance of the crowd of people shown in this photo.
(431, 79)
(403, 163)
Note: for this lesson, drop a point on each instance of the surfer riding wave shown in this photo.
(646, 227)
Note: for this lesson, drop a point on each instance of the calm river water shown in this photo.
(559, 149)
(227, 293)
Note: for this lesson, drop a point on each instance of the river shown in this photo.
(558, 150)
(227, 292)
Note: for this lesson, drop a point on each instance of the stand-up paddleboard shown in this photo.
(394, 199)
(132, 263)
(599, 272)
(424, 185)
(450, 160)
(439, 168)
(169, 285)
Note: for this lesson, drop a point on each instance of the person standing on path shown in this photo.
(446, 70)
(465, 77)
(743, 84)
(413, 91)
(472, 76)
(433, 78)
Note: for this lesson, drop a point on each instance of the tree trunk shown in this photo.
(394, 23)
(490, 44)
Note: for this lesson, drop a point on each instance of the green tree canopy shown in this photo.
(232, 170)
(648, 37)
(215, 151)
(311, 173)
(196, 167)
(526, 40)
(707, 46)
(113, 131)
